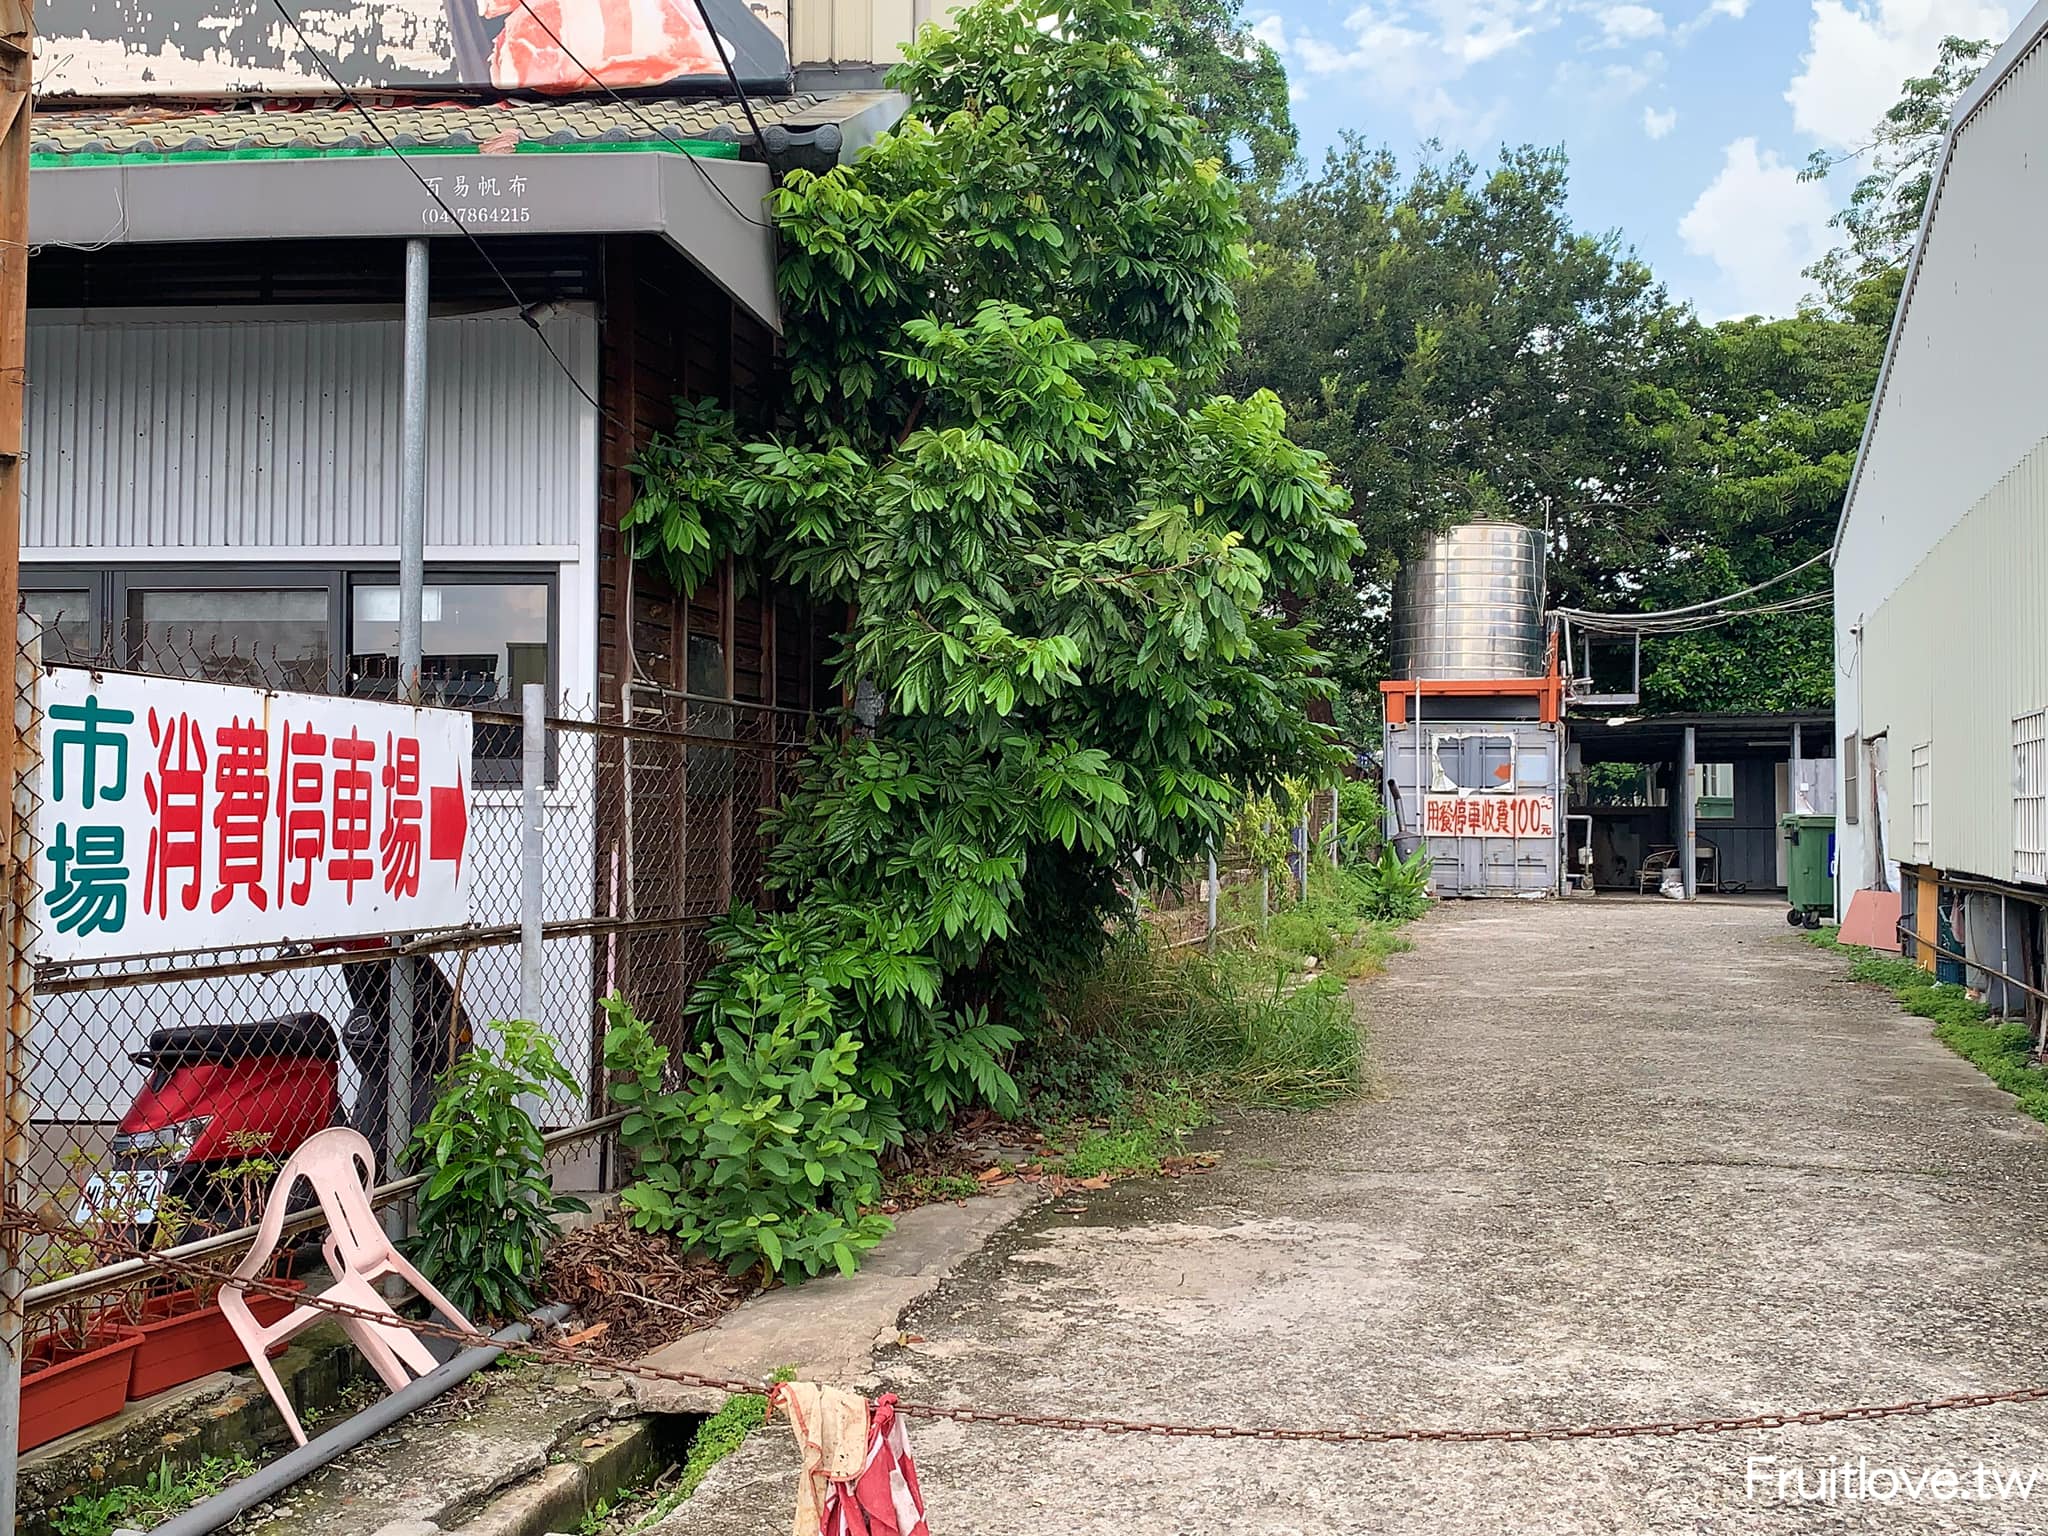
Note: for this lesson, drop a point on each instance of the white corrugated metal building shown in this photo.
(1941, 630)
(212, 435)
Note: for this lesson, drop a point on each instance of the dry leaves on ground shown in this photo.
(639, 1284)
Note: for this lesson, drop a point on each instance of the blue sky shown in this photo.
(1686, 120)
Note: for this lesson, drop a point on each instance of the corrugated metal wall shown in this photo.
(855, 31)
(1951, 659)
(1942, 555)
(266, 435)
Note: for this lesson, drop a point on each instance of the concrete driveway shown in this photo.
(1631, 1161)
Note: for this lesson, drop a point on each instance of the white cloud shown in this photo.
(1658, 124)
(1761, 226)
(1621, 24)
(1858, 52)
(1734, 10)
(1412, 52)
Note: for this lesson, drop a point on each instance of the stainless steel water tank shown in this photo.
(1471, 605)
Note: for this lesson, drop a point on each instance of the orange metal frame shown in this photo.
(1547, 690)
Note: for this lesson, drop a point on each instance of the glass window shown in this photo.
(65, 616)
(1716, 798)
(480, 644)
(257, 636)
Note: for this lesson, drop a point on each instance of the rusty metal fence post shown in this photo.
(14, 1059)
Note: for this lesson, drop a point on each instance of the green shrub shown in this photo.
(1361, 822)
(487, 1210)
(764, 1155)
(1396, 889)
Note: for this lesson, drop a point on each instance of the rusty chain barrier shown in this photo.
(17, 1220)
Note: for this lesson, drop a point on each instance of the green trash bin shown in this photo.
(1809, 868)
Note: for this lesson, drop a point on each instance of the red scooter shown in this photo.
(224, 1104)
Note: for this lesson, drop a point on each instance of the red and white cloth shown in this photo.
(557, 45)
(858, 1477)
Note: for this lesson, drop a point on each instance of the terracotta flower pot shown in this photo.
(66, 1389)
(183, 1340)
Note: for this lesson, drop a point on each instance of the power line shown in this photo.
(369, 117)
(1636, 619)
(1624, 624)
(656, 128)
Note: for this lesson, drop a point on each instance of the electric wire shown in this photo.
(1622, 624)
(1709, 614)
(370, 118)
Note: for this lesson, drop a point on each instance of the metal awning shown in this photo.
(1718, 738)
(578, 168)
(710, 210)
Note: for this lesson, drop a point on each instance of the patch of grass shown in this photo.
(919, 1188)
(2002, 1052)
(1238, 1027)
(169, 1490)
(1155, 1128)
(633, 1510)
(719, 1436)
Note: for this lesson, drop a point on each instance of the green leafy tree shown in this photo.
(1232, 82)
(1458, 349)
(1762, 452)
(1863, 276)
(1059, 554)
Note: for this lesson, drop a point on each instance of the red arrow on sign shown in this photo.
(448, 822)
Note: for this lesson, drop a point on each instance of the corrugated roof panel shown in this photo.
(225, 434)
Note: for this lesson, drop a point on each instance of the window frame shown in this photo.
(112, 586)
(1852, 783)
(2030, 748)
(1921, 789)
(54, 576)
(490, 772)
(201, 577)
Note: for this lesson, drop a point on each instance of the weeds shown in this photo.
(2002, 1052)
(169, 1490)
(1150, 1046)
(919, 1188)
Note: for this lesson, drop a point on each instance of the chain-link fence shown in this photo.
(1238, 886)
(167, 1078)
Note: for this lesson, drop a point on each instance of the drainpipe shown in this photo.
(268, 1482)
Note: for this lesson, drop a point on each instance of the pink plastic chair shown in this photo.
(340, 1166)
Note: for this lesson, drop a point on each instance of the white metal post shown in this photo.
(1688, 811)
(1333, 826)
(1793, 769)
(1210, 933)
(533, 708)
(412, 541)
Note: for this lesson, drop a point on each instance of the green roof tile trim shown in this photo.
(73, 137)
(706, 149)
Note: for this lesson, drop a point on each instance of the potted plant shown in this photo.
(76, 1371)
(183, 1333)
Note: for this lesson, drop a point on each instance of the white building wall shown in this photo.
(1937, 635)
(245, 437)
(1950, 659)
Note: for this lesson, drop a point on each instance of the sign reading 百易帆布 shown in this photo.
(190, 816)
(1482, 814)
